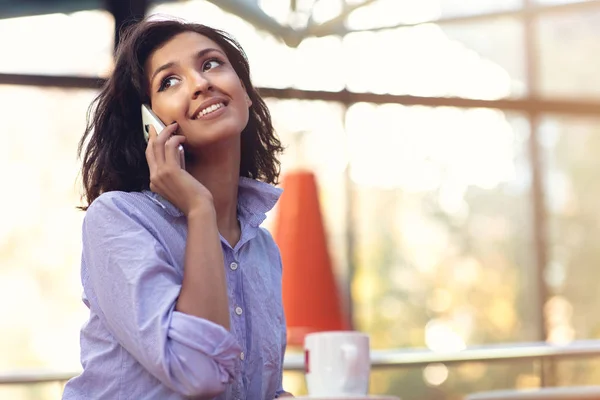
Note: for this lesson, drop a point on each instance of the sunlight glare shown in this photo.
(435, 374)
(392, 12)
(53, 49)
(441, 336)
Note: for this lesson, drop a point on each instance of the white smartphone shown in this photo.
(149, 118)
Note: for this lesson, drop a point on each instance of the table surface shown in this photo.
(368, 397)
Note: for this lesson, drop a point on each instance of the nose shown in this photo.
(199, 84)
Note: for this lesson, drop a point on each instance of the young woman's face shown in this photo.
(191, 82)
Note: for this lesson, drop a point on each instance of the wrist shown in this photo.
(203, 207)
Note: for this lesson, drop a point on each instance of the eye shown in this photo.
(167, 83)
(210, 64)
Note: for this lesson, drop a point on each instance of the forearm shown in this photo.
(284, 394)
(204, 288)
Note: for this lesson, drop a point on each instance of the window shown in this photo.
(40, 234)
(441, 206)
(47, 45)
(571, 146)
(437, 195)
(568, 43)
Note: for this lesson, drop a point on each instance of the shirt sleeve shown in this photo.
(280, 391)
(134, 290)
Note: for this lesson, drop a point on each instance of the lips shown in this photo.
(209, 106)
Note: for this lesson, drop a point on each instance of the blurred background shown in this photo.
(455, 143)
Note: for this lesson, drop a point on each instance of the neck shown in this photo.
(217, 167)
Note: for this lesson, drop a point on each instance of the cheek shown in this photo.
(170, 110)
(243, 99)
(245, 110)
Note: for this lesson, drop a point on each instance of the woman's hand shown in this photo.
(167, 178)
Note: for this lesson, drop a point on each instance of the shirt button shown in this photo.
(239, 311)
(233, 266)
(242, 356)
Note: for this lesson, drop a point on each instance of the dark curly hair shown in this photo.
(112, 148)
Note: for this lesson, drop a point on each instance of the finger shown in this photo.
(157, 144)
(151, 131)
(167, 132)
(161, 140)
(172, 152)
(150, 150)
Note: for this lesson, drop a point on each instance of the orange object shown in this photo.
(310, 295)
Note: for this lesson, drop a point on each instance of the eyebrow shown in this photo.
(168, 65)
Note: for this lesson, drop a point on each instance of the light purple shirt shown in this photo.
(136, 346)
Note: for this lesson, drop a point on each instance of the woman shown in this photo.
(183, 286)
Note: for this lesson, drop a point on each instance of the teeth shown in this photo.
(209, 109)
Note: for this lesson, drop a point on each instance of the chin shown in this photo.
(201, 139)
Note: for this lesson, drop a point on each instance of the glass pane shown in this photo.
(578, 372)
(317, 143)
(554, 2)
(272, 63)
(438, 381)
(40, 233)
(570, 54)
(58, 44)
(394, 12)
(572, 172)
(42, 391)
(475, 60)
(442, 205)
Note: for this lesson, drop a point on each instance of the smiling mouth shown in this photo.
(210, 109)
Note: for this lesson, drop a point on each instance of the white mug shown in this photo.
(337, 363)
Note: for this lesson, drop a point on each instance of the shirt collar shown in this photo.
(255, 199)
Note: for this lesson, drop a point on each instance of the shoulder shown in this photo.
(117, 198)
(264, 232)
(272, 250)
(126, 219)
(267, 238)
(117, 205)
